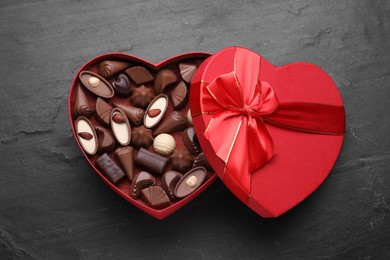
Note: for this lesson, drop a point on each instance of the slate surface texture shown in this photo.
(52, 205)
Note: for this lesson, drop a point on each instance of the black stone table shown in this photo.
(52, 205)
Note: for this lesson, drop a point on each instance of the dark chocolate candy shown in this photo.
(191, 141)
(120, 126)
(201, 160)
(164, 79)
(155, 197)
(187, 71)
(142, 96)
(82, 106)
(190, 182)
(96, 84)
(141, 181)
(176, 121)
(151, 162)
(122, 85)
(106, 141)
(139, 75)
(141, 137)
(134, 114)
(181, 161)
(179, 95)
(103, 111)
(109, 169)
(124, 155)
(169, 181)
(86, 135)
(160, 102)
(109, 68)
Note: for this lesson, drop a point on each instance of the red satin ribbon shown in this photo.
(241, 104)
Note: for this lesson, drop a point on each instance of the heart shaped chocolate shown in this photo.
(135, 87)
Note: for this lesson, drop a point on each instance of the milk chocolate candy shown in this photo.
(176, 121)
(141, 181)
(139, 75)
(86, 135)
(134, 114)
(201, 160)
(190, 182)
(122, 85)
(120, 126)
(179, 95)
(106, 141)
(103, 111)
(164, 79)
(190, 141)
(141, 137)
(96, 84)
(155, 197)
(181, 161)
(142, 96)
(169, 181)
(156, 110)
(151, 162)
(109, 68)
(187, 71)
(82, 106)
(109, 169)
(124, 155)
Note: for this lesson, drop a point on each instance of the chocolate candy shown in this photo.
(134, 114)
(141, 137)
(164, 144)
(187, 71)
(201, 160)
(139, 75)
(120, 126)
(164, 79)
(189, 117)
(141, 181)
(96, 84)
(82, 106)
(109, 68)
(190, 182)
(174, 122)
(190, 141)
(86, 135)
(179, 95)
(142, 96)
(156, 110)
(155, 197)
(151, 162)
(106, 142)
(103, 111)
(109, 169)
(181, 161)
(169, 181)
(122, 85)
(124, 156)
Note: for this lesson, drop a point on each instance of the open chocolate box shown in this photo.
(156, 133)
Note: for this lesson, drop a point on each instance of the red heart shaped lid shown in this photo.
(272, 134)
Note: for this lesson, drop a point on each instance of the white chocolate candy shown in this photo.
(164, 144)
(83, 126)
(93, 81)
(192, 181)
(160, 102)
(189, 117)
(121, 130)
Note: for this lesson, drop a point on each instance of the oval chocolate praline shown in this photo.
(102, 88)
(159, 102)
(83, 127)
(120, 128)
(190, 182)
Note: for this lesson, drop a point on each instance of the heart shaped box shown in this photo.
(301, 161)
(123, 189)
